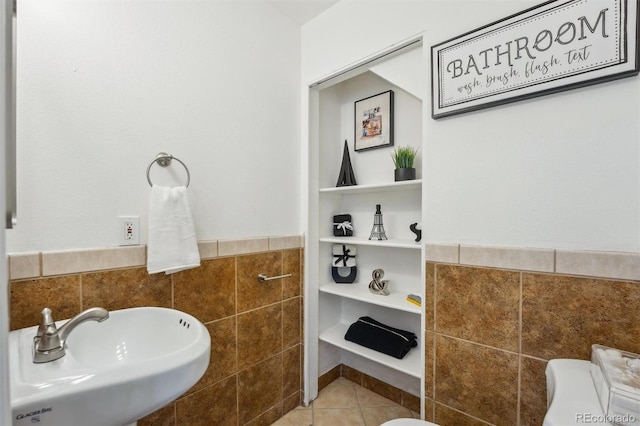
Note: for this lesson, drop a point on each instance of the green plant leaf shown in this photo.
(404, 156)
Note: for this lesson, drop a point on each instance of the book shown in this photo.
(415, 299)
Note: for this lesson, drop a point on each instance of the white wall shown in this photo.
(104, 85)
(559, 171)
(5, 49)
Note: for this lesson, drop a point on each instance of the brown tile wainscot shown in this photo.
(255, 372)
(495, 316)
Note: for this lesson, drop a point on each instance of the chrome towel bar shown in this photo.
(163, 159)
(262, 277)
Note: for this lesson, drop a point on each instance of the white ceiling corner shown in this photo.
(301, 11)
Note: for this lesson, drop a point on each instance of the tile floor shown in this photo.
(344, 403)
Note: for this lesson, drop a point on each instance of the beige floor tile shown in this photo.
(299, 417)
(337, 417)
(343, 403)
(340, 393)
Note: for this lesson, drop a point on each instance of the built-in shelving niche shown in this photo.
(336, 306)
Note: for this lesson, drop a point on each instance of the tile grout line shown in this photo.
(235, 319)
(434, 343)
(355, 391)
(518, 398)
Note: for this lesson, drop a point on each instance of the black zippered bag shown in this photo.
(374, 335)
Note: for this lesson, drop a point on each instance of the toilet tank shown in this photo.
(571, 395)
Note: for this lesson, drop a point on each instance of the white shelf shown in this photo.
(410, 364)
(336, 306)
(362, 241)
(405, 185)
(395, 300)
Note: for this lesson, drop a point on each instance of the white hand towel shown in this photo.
(172, 239)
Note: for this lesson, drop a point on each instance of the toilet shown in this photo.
(571, 395)
(407, 422)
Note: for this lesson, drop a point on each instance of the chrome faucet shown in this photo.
(49, 341)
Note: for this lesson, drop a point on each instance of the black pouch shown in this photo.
(374, 335)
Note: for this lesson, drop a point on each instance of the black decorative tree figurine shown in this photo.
(346, 176)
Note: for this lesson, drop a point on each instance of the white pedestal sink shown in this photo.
(114, 372)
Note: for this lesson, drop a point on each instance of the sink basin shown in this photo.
(114, 372)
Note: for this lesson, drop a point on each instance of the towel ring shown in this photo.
(163, 159)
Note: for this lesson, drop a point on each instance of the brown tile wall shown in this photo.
(254, 376)
(491, 331)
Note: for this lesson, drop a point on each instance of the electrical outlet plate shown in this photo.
(129, 230)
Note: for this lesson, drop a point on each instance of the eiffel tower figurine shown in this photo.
(377, 232)
(346, 176)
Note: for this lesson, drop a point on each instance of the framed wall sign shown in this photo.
(555, 46)
(373, 121)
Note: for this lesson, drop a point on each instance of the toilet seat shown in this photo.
(407, 422)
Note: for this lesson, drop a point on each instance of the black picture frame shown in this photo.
(373, 122)
(555, 46)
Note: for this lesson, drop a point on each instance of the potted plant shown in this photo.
(403, 158)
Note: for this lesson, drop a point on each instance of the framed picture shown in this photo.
(552, 47)
(373, 121)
